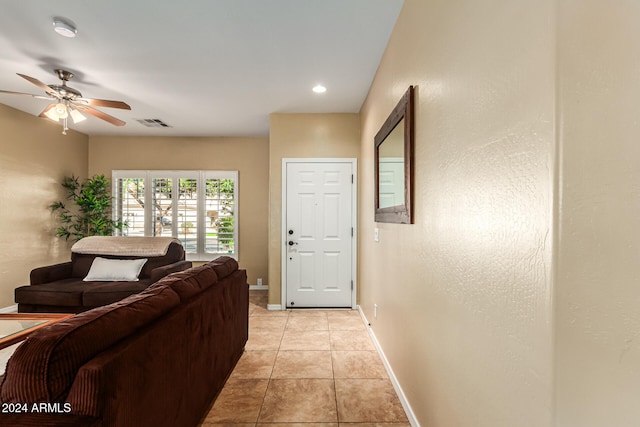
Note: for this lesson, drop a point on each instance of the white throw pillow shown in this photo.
(111, 270)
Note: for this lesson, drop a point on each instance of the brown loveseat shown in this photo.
(60, 288)
(157, 358)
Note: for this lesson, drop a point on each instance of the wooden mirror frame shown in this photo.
(401, 214)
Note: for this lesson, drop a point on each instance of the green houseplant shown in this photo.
(91, 215)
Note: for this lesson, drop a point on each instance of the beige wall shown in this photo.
(513, 299)
(34, 157)
(301, 136)
(464, 294)
(597, 292)
(249, 156)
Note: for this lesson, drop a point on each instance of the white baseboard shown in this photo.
(258, 288)
(392, 376)
(274, 307)
(10, 309)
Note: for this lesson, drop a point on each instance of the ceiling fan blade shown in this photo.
(99, 114)
(104, 103)
(25, 94)
(41, 85)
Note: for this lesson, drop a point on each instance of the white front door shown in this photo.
(391, 182)
(318, 234)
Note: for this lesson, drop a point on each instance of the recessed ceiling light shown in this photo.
(64, 28)
(319, 89)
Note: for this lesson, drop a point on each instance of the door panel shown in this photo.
(391, 182)
(318, 234)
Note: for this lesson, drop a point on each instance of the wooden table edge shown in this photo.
(20, 336)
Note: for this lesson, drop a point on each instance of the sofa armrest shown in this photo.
(50, 273)
(159, 272)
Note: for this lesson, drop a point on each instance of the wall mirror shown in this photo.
(393, 164)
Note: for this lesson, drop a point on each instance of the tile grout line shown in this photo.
(339, 331)
(335, 388)
(275, 360)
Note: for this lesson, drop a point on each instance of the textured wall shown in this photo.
(464, 294)
(249, 156)
(597, 289)
(301, 136)
(34, 157)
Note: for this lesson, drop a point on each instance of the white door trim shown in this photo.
(354, 221)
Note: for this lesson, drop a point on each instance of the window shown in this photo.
(198, 207)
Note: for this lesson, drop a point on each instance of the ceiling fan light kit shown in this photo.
(57, 112)
(68, 101)
(60, 111)
(77, 116)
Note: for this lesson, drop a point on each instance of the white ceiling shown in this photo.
(205, 67)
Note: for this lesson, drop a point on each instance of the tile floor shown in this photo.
(307, 366)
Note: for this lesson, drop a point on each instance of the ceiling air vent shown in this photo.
(153, 123)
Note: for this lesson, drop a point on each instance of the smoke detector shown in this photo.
(64, 27)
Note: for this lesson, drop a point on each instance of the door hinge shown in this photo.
(352, 285)
(352, 178)
(351, 231)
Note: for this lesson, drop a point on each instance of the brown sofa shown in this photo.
(60, 288)
(157, 358)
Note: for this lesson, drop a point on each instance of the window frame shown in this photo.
(201, 176)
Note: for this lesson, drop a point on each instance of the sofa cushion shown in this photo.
(43, 368)
(175, 253)
(189, 282)
(82, 262)
(65, 292)
(76, 293)
(223, 266)
(102, 293)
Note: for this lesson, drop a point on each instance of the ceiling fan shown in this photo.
(68, 101)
